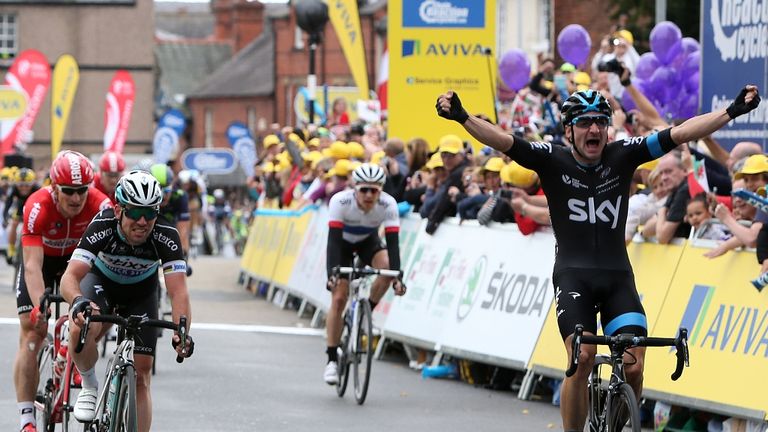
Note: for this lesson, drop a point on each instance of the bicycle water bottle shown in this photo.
(61, 360)
(760, 282)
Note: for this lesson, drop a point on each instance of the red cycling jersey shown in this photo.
(98, 185)
(45, 226)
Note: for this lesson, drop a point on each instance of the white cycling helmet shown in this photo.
(369, 173)
(138, 188)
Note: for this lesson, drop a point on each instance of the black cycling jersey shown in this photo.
(103, 247)
(588, 204)
(177, 208)
(20, 199)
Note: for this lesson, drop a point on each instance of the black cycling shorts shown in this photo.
(366, 249)
(125, 300)
(581, 293)
(53, 268)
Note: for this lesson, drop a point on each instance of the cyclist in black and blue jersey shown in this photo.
(587, 185)
(115, 267)
(174, 209)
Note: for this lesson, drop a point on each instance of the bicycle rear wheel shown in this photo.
(623, 408)
(363, 351)
(46, 391)
(125, 417)
(343, 358)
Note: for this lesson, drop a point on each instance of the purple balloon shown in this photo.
(627, 102)
(692, 63)
(647, 65)
(664, 36)
(662, 78)
(574, 43)
(690, 45)
(515, 69)
(692, 84)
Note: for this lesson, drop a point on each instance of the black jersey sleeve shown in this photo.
(644, 149)
(167, 242)
(532, 155)
(96, 237)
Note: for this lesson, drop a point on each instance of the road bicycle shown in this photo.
(57, 373)
(611, 407)
(116, 403)
(356, 349)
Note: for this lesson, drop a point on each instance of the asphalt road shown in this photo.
(257, 367)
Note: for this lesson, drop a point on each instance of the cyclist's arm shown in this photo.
(70, 280)
(392, 233)
(176, 284)
(488, 134)
(183, 228)
(335, 240)
(33, 272)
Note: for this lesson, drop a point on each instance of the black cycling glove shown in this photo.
(190, 345)
(740, 106)
(457, 112)
(79, 305)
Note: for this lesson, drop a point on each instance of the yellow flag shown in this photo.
(66, 75)
(346, 21)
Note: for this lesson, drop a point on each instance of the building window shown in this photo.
(9, 33)
(208, 128)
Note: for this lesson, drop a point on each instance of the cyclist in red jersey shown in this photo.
(111, 167)
(55, 217)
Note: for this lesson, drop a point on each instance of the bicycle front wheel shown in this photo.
(623, 410)
(363, 351)
(125, 414)
(46, 391)
(343, 358)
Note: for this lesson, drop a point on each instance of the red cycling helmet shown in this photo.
(71, 168)
(112, 162)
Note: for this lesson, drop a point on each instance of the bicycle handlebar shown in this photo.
(46, 299)
(136, 322)
(624, 341)
(367, 271)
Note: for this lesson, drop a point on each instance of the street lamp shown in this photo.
(311, 16)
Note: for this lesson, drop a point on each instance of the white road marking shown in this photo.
(243, 328)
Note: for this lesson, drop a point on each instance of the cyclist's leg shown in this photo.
(575, 305)
(92, 287)
(25, 368)
(622, 312)
(144, 351)
(374, 253)
(339, 293)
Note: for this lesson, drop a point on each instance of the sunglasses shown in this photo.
(368, 190)
(587, 122)
(67, 190)
(136, 213)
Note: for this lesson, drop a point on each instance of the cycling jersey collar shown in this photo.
(582, 164)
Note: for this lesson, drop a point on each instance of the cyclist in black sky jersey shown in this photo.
(587, 185)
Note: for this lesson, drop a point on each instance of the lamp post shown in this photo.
(311, 16)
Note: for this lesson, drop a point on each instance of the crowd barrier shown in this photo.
(486, 294)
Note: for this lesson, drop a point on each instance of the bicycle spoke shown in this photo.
(44, 396)
(363, 352)
(343, 360)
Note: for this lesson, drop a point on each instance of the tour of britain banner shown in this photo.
(734, 44)
(435, 46)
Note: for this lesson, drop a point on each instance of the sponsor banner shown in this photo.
(118, 109)
(209, 161)
(30, 75)
(298, 223)
(13, 103)
(734, 43)
(66, 75)
(436, 46)
(727, 321)
(346, 21)
(308, 279)
(165, 144)
(239, 137)
(654, 266)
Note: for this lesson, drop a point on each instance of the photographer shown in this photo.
(619, 47)
(520, 200)
(478, 194)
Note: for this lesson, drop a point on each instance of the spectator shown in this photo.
(669, 221)
(642, 207)
(417, 154)
(622, 50)
(699, 217)
(336, 181)
(423, 184)
(395, 164)
(477, 195)
(338, 114)
(451, 150)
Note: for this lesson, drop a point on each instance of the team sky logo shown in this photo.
(724, 327)
(414, 48)
(471, 290)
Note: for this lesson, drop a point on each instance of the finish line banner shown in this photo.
(436, 46)
(734, 44)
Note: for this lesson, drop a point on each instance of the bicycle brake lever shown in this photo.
(84, 330)
(182, 337)
(575, 351)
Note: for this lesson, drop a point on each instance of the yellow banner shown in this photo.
(66, 75)
(297, 225)
(654, 267)
(727, 321)
(346, 21)
(435, 47)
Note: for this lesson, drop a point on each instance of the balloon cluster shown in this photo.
(669, 75)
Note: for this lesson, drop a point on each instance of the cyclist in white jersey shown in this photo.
(354, 220)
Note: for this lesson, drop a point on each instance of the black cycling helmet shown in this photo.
(584, 102)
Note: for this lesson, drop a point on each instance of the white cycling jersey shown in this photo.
(356, 224)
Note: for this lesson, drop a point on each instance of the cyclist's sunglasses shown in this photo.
(68, 190)
(585, 122)
(136, 213)
(368, 189)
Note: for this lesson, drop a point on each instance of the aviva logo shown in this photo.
(412, 47)
(725, 327)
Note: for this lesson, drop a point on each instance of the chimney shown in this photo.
(247, 22)
(222, 12)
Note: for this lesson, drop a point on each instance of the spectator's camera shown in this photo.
(615, 41)
(603, 67)
(505, 193)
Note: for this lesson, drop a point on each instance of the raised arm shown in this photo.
(449, 106)
(700, 126)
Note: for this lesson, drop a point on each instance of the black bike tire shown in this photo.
(623, 396)
(596, 400)
(343, 361)
(45, 359)
(365, 327)
(126, 419)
